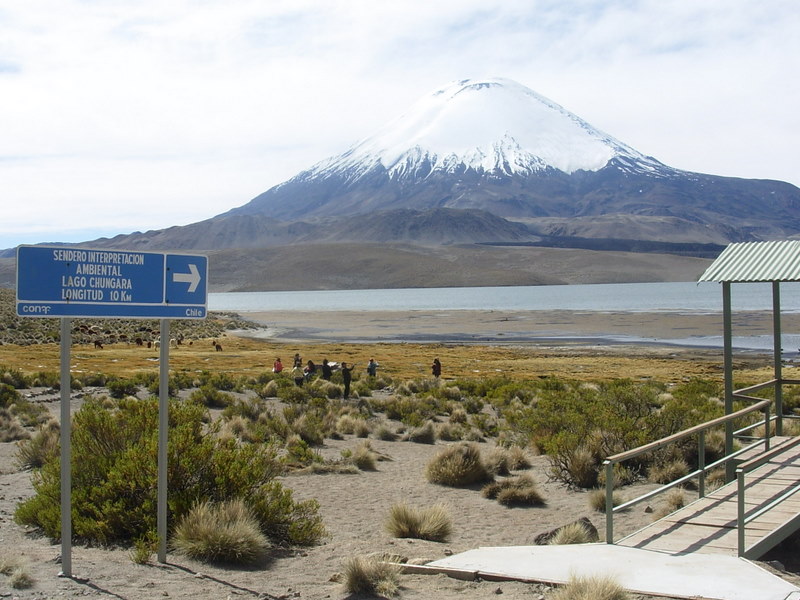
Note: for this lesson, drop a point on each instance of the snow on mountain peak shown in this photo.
(488, 125)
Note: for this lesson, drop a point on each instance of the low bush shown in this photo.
(226, 532)
(432, 524)
(121, 388)
(211, 397)
(8, 395)
(458, 465)
(371, 576)
(14, 377)
(114, 490)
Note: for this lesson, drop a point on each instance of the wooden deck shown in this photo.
(709, 525)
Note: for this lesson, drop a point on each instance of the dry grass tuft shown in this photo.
(673, 501)
(574, 533)
(369, 575)
(591, 588)
(669, 471)
(518, 459)
(423, 435)
(36, 451)
(458, 465)
(226, 532)
(515, 491)
(597, 499)
(432, 524)
(18, 576)
(364, 457)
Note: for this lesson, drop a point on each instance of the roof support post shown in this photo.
(776, 339)
(727, 321)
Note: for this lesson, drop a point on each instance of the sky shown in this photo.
(129, 115)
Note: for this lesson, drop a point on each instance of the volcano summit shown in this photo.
(494, 145)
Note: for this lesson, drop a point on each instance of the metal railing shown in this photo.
(702, 468)
(743, 518)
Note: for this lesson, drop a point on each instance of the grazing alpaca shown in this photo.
(217, 347)
(98, 345)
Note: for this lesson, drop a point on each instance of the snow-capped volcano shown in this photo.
(488, 125)
(495, 146)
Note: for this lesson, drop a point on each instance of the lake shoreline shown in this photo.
(698, 331)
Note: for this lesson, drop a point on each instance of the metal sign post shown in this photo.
(66, 282)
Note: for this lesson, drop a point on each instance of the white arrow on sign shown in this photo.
(192, 278)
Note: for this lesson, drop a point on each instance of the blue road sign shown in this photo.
(64, 281)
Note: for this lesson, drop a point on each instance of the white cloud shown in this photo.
(123, 115)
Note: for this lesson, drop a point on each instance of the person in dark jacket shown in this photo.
(347, 375)
(326, 370)
(436, 368)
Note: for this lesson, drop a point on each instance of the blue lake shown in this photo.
(618, 297)
(685, 297)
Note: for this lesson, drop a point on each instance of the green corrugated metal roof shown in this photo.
(756, 261)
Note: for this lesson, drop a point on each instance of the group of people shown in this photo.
(301, 374)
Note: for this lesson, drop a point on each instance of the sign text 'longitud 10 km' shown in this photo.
(61, 281)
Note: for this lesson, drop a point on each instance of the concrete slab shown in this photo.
(703, 576)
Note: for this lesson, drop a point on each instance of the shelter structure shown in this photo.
(773, 262)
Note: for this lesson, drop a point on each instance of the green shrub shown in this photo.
(13, 377)
(433, 523)
(143, 549)
(121, 388)
(458, 465)
(211, 397)
(8, 395)
(226, 532)
(114, 490)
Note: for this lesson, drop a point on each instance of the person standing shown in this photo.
(326, 370)
(347, 375)
(436, 368)
(310, 370)
(298, 362)
(298, 375)
(372, 367)
(277, 366)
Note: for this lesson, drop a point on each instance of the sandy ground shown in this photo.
(354, 507)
